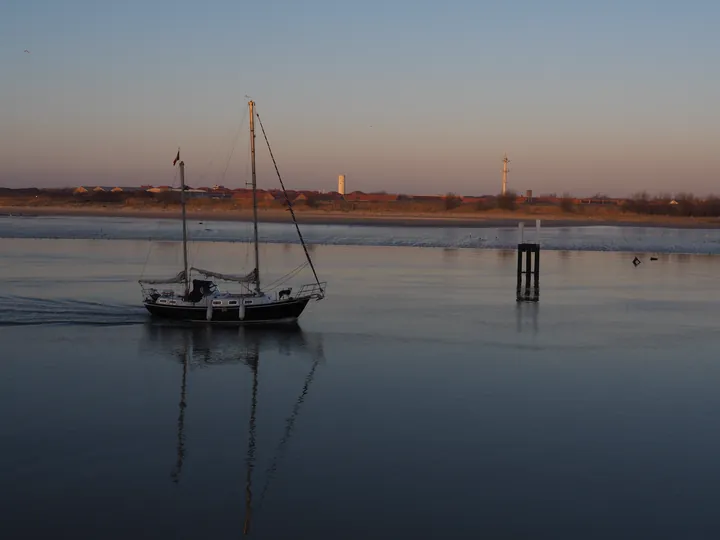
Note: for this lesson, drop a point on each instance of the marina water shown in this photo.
(418, 400)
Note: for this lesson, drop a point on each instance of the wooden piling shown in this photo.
(529, 273)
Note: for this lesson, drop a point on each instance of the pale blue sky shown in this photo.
(406, 96)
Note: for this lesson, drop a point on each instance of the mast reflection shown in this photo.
(250, 460)
(203, 347)
(181, 420)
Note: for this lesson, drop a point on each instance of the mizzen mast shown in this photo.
(184, 225)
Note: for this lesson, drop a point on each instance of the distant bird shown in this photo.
(26, 51)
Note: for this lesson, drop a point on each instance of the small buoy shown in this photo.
(636, 261)
(653, 258)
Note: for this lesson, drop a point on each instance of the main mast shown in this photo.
(184, 226)
(251, 105)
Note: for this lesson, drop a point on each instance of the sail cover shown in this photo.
(179, 278)
(249, 278)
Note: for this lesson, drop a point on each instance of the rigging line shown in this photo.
(289, 425)
(150, 248)
(287, 200)
(147, 258)
(232, 149)
(283, 279)
(287, 276)
(175, 179)
(201, 178)
(247, 255)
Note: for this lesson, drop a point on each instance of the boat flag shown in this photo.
(176, 157)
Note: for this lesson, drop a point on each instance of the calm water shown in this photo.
(416, 401)
(630, 239)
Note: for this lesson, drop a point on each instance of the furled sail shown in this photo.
(249, 278)
(179, 278)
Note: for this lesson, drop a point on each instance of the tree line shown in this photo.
(682, 204)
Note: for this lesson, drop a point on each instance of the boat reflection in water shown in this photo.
(202, 347)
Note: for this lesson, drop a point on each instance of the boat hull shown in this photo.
(281, 312)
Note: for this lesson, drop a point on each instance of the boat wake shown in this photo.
(24, 311)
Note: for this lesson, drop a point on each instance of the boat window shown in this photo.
(248, 301)
(232, 303)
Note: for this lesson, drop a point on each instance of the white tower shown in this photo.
(505, 173)
(341, 184)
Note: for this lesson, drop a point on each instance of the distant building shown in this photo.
(359, 196)
(159, 189)
(427, 198)
(474, 199)
(85, 190)
(246, 195)
(341, 184)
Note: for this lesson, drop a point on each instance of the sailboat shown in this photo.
(201, 300)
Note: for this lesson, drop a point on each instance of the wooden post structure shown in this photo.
(530, 271)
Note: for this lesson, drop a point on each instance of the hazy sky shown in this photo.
(406, 96)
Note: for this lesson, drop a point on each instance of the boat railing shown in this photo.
(316, 291)
(152, 293)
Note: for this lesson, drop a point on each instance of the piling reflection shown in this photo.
(203, 347)
(526, 314)
(504, 254)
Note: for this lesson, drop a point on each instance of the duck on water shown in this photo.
(200, 300)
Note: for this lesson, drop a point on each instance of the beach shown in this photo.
(491, 218)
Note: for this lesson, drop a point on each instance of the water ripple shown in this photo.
(24, 311)
(585, 238)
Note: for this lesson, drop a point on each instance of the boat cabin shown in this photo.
(200, 289)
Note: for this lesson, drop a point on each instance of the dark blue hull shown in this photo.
(286, 311)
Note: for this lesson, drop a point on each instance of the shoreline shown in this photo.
(309, 217)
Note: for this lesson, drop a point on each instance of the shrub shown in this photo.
(566, 203)
(507, 201)
(452, 201)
